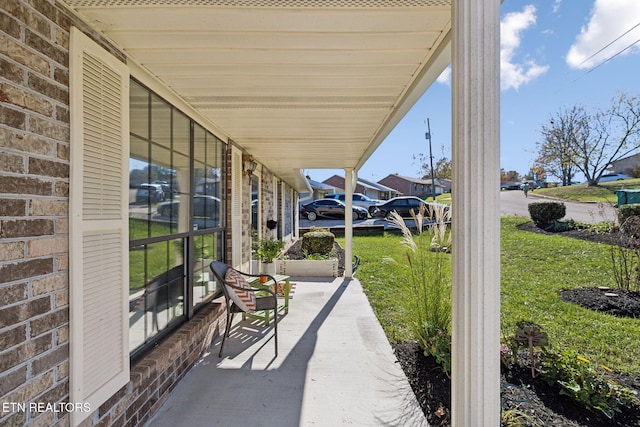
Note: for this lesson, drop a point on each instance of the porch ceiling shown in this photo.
(299, 84)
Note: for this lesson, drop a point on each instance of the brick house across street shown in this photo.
(141, 140)
(409, 186)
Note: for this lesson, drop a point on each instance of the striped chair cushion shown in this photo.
(245, 300)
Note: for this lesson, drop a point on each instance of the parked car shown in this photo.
(357, 199)
(506, 187)
(330, 208)
(206, 211)
(150, 193)
(403, 206)
(613, 177)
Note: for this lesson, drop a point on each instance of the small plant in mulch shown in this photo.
(572, 375)
(586, 383)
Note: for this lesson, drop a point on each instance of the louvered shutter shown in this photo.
(236, 209)
(98, 195)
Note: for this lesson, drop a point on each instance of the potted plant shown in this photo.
(267, 250)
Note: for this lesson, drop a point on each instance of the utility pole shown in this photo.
(433, 178)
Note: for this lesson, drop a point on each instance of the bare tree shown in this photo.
(612, 134)
(578, 141)
(557, 153)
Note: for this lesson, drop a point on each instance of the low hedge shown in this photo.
(318, 242)
(546, 213)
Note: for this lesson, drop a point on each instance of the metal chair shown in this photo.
(265, 300)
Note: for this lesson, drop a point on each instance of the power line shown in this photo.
(610, 43)
(613, 56)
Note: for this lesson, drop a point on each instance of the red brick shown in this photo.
(13, 293)
(25, 352)
(48, 88)
(11, 71)
(25, 270)
(61, 189)
(49, 322)
(12, 338)
(19, 313)
(25, 228)
(10, 26)
(44, 167)
(12, 118)
(12, 380)
(48, 361)
(25, 185)
(11, 163)
(12, 207)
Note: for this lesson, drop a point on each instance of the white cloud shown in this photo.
(514, 73)
(609, 20)
(556, 6)
(445, 77)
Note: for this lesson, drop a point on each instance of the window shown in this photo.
(175, 216)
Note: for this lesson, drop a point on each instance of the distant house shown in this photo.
(629, 165)
(319, 191)
(409, 186)
(370, 189)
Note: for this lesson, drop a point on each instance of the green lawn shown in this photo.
(604, 192)
(534, 268)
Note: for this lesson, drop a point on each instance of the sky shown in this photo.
(554, 54)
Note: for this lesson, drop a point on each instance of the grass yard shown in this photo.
(534, 268)
(605, 192)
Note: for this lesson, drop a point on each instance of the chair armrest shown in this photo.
(252, 289)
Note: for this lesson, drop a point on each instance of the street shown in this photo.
(511, 203)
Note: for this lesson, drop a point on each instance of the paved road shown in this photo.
(514, 202)
(511, 202)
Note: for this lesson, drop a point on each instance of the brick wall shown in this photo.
(268, 204)
(397, 183)
(34, 227)
(34, 185)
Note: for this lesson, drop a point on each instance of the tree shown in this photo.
(557, 153)
(612, 135)
(441, 168)
(577, 140)
(507, 177)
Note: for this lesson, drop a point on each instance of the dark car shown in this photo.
(330, 208)
(403, 205)
(358, 199)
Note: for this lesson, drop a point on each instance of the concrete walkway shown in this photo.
(335, 367)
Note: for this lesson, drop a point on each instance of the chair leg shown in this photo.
(275, 327)
(227, 330)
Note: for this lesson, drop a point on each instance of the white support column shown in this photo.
(348, 222)
(476, 213)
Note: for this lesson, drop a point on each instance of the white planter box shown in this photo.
(307, 268)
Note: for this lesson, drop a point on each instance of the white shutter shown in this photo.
(236, 209)
(98, 197)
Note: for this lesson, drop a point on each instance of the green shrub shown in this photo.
(318, 242)
(585, 383)
(546, 213)
(268, 249)
(626, 211)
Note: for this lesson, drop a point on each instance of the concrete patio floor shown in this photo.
(335, 367)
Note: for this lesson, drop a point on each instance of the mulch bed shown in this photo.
(532, 401)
